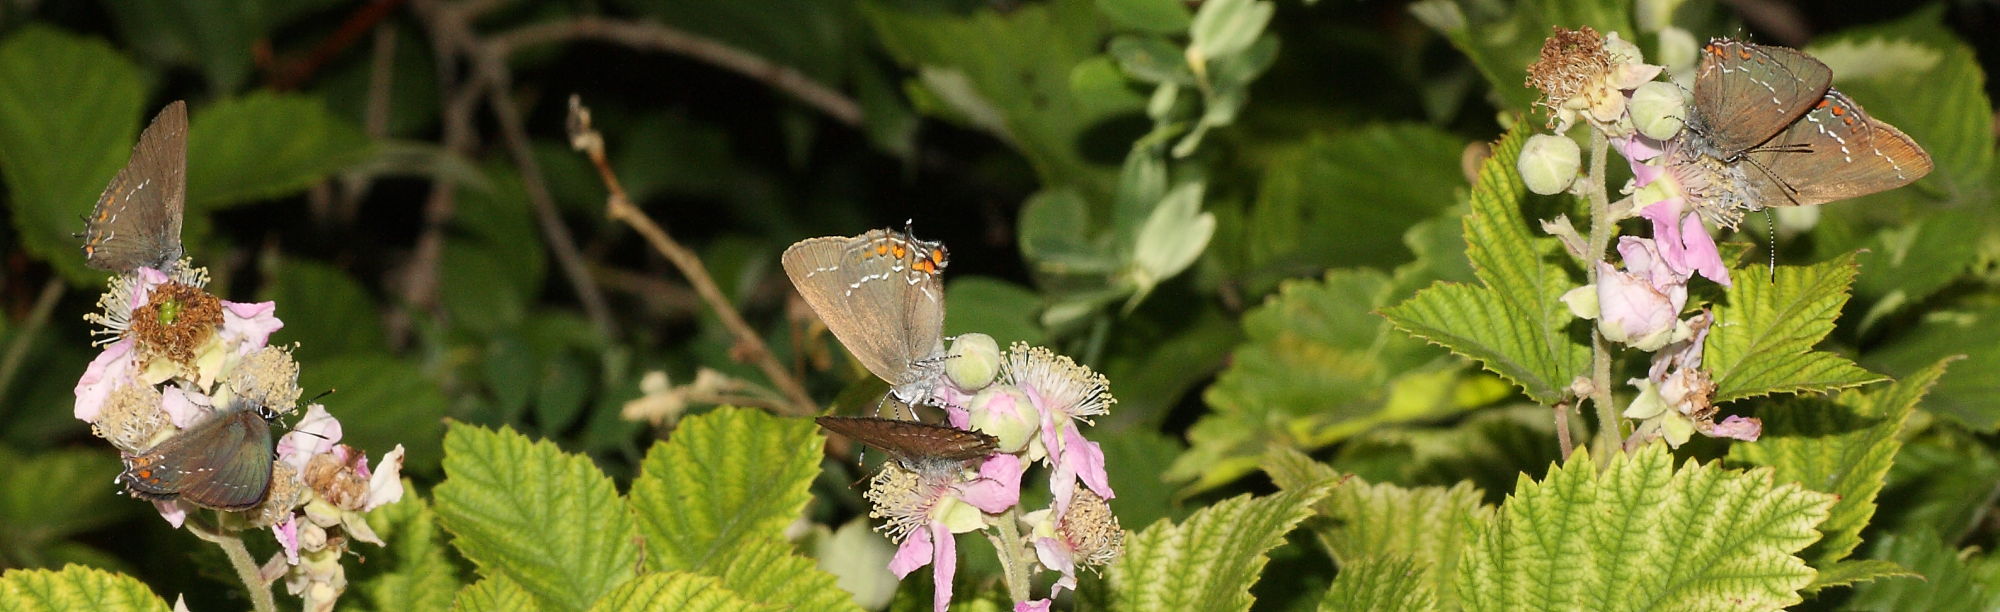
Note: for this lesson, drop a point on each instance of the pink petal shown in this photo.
(1056, 555)
(958, 417)
(385, 486)
(288, 537)
(1088, 459)
(185, 408)
(1701, 253)
(1631, 306)
(251, 323)
(314, 434)
(914, 552)
(1740, 428)
(950, 396)
(947, 565)
(110, 369)
(1037, 605)
(998, 486)
(173, 511)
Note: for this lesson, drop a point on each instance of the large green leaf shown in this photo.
(74, 588)
(417, 571)
(1346, 201)
(1764, 332)
(1379, 584)
(1424, 528)
(674, 591)
(1642, 534)
(381, 402)
(1940, 481)
(545, 519)
(265, 145)
(1010, 73)
(69, 113)
(32, 520)
(716, 497)
(1970, 393)
(1514, 322)
(494, 593)
(1947, 579)
(1317, 367)
(326, 311)
(1209, 561)
(1842, 446)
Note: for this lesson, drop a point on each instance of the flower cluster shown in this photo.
(175, 358)
(1639, 303)
(1032, 402)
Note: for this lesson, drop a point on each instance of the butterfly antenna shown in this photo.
(1771, 247)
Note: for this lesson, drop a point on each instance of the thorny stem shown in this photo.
(239, 558)
(1601, 225)
(1012, 550)
(619, 207)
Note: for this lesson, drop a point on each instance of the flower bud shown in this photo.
(1622, 50)
(973, 362)
(1005, 412)
(1549, 163)
(1657, 108)
(1678, 49)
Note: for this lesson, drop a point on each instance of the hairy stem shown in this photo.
(1601, 225)
(1012, 550)
(239, 558)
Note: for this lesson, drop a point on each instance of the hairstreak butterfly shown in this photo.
(882, 295)
(915, 444)
(222, 463)
(137, 220)
(1768, 129)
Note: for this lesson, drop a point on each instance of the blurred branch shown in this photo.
(657, 37)
(359, 22)
(584, 138)
(451, 30)
(24, 336)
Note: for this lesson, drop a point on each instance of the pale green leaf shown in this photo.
(74, 588)
(1857, 571)
(1172, 237)
(716, 497)
(1316, 368)
(1382, 523)
(1764, 332)
(1946, 579)
(1515, 324)
(265, 145)
(545, 519)
(1379, 584)
(1642, 534)
(1209, 561)
(724, 478)
(675, 591)
(1842, 445)
(69, 114)
(416, 570)
(1225, 27)
(1151, 59)
(494, 593)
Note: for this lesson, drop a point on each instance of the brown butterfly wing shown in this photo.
(1747, 93)
(1834, 152)
(137, 220)
(912, 441)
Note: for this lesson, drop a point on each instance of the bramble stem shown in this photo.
(239, 558)
(1601, 225)
(1009, 545)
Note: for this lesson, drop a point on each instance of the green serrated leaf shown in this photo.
(32, 519)
(1763, 337)
(1642, 534)
(715, 500)
(1515, 324)
(69, 113)
(265, 145)
(1316, 368)
(1491, 449)
(724, 478)
(1946, 579)
(1379, 523)
(494, 593)
(417, 572)
(1968, 393)
(545, 519)
(1209, 561)
(1941, 481)
(1843, 446)
(1380, 584)
(674, 591)
(74, 588)
(1852, 572)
